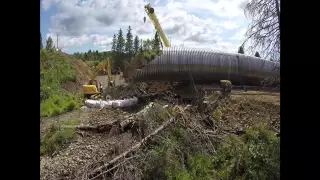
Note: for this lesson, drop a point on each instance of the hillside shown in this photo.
(61, 77)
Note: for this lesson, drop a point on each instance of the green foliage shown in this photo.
(149, 55)
(217, 114)
(41, 45)
(255, 155)
(114, 43)
(93, 63)
(92, 55)
(136, 45)
(129, 43)
(57, 104)
(55, 70)
(156, 43)
(57, 137)
(120, 42)
(49, 44)
(148, 45)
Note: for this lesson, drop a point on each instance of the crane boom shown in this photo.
(150, 12)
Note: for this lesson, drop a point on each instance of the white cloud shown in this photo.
(230, 25)
(192, 23)
(240, 35)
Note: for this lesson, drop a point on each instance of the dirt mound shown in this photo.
(84, 73)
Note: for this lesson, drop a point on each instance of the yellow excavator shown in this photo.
(150, 12)
(92, 90)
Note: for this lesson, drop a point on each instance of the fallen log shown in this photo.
(132, 149)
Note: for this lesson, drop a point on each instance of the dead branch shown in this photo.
(134, 148)
(105, 172)
(264, 29)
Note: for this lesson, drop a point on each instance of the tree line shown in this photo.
(124, 48)
(49, 44)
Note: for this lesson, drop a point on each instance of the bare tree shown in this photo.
(264, 30)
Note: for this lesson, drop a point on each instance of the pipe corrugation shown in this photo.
(207, 66)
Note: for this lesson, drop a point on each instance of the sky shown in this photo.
(90, 24)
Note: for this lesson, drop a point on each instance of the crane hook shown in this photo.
(144, 19)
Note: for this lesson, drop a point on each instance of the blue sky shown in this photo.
(90, 24)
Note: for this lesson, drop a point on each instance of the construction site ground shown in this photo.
(89, 148)
(240, 112)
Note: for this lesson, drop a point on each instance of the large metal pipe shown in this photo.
(207, 66)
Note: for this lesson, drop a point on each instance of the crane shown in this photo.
(150, 12)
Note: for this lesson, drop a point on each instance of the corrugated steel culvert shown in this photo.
(207, 66)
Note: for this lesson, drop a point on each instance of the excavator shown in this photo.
(110, 81)
(92, 90)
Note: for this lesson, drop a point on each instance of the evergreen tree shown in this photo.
(241, 50)
(119, 51)
(136, 45)
(120, 43)
(97, 55)
(41, 45)
(49, 44)
(129, 43)
(156, 43)
(141, 47)
(114, 43)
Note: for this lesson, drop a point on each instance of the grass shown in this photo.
(55, 70)
(56, 137)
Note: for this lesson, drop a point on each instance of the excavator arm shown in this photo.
(150, 12)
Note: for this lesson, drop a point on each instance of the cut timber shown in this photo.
(132, 149)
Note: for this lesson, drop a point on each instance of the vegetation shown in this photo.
(49, 46)
(57, 137)
(122, 51)
(55, 70)
(41, 45)
(254, 155)
(264, 30)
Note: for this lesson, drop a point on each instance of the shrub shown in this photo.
(57, 137)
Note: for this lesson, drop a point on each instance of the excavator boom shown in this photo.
(150, 12)
(109, 68)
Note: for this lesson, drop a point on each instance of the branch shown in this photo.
(132, 149)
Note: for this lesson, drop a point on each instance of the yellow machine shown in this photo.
(150, 12)
(91, 89)
(110, 82)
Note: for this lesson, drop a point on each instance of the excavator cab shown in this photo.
(91, 88)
